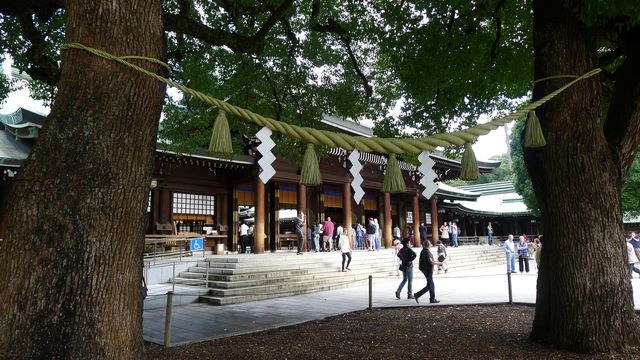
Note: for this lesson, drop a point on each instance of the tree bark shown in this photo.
(71, 262)
(584, 296)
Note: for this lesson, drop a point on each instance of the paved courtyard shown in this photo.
(197, 322)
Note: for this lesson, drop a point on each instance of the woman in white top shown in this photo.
(444, 230)
(345, 249)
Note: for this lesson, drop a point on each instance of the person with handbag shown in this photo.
(442, 256)
(407, 256)
(444, 233)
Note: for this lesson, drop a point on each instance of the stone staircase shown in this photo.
(243, 278)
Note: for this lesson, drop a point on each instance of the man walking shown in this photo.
(426, 265)
(345, 249)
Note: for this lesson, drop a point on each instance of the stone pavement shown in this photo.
(198, 322)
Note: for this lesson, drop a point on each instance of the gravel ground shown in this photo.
(430, 332)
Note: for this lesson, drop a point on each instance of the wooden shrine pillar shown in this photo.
(258, 226)
(233, 227)
(302, 206)
(475, 228)
(402, 219)
(272, 217)
(155, 211)
(164, 209)
(416, 220)
(276, 218)
(434, 220)
(346, 213)
(321, 213)
(223, 208)
(387, 236)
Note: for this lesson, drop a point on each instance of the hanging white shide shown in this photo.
(356, 184)
(266, 144)
(429, 176)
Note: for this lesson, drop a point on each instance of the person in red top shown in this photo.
(327, 234)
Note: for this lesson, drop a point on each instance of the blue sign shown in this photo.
(197, 244)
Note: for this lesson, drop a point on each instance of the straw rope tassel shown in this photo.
(393, 179)
(310, 173)
(220, 142)
(533, 136)
(469, 167)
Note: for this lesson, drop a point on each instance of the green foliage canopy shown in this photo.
(441, 63)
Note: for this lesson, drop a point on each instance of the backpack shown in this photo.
(371, 228)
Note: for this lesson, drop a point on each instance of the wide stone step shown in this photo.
(362, 271)
(258, 293)
(292, 261)
(317, 263)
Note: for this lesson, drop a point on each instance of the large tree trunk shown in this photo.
(70, 266)
(584, 296)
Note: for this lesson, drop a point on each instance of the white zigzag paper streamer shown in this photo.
(428, 175)
(354, 158)
(266, 144)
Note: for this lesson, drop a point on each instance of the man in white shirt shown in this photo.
(509, 249)
(243, 232)
(396, 233)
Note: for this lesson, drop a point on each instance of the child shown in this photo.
(397, 245)
(442, 256)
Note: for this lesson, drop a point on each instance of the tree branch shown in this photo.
(44, 9)
(293, 47)
(274, 91)
(277, 14)
(335, 27)
(253, 44)
(43, 67)
(236, 42)
(498, 22)
(367, 87)
(622, 126)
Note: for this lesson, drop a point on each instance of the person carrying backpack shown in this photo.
(407, 256)
(371, 234)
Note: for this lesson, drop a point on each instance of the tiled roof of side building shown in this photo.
(347, 126)
(497, 198)
(498, 187)
(12, 151)
(23, 118)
